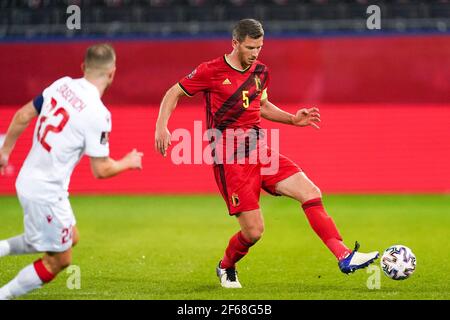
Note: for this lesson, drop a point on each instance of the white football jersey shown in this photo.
(73, 121)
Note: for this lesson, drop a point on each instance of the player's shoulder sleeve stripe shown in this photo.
(184, 90)
(263, 67)
(38, 102)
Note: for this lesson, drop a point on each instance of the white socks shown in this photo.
(28, 278)
(5, 249)
(26, 281)
(15, 246)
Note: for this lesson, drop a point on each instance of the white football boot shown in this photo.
(228, 277)
(357, 260)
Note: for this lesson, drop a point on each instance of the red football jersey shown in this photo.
(232, 96)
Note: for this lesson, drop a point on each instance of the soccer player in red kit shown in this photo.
(235, 90)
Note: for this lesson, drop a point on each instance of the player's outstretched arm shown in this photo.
(21, 120)
(271, 112)
(106, 167)
(168, 105)
(303, 117)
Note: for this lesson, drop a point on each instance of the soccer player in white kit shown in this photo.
(72, 121)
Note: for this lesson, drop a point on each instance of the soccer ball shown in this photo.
(398, 262)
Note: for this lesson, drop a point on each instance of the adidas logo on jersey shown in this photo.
(226, 81)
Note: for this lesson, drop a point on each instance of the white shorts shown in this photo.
(48, 227)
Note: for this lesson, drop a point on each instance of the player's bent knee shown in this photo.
(66, 261)
(254, 235)
(312, 193)
(76, 237)
(315, 192)
(253, 238)
(56, 264)
(75, 241)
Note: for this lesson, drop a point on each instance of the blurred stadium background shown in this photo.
(384, 94)
(384, 97)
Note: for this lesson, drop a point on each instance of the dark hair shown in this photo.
(99, 56)
(247, 27)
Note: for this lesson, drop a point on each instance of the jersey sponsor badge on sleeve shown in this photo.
(192, 74)
(104, 139)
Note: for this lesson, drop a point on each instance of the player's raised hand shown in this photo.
(134, 159)
(307, 117)
(162, 140)
(3, 161)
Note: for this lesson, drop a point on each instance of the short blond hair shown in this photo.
(99, 56)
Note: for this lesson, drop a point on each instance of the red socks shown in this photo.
(325, 228)
(236, 250)
(319, 220)
(45, 275)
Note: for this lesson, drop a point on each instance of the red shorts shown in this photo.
(240, 184)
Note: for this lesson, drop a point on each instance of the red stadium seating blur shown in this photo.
(385, 104)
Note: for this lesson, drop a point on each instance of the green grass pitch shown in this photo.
(167, 247)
